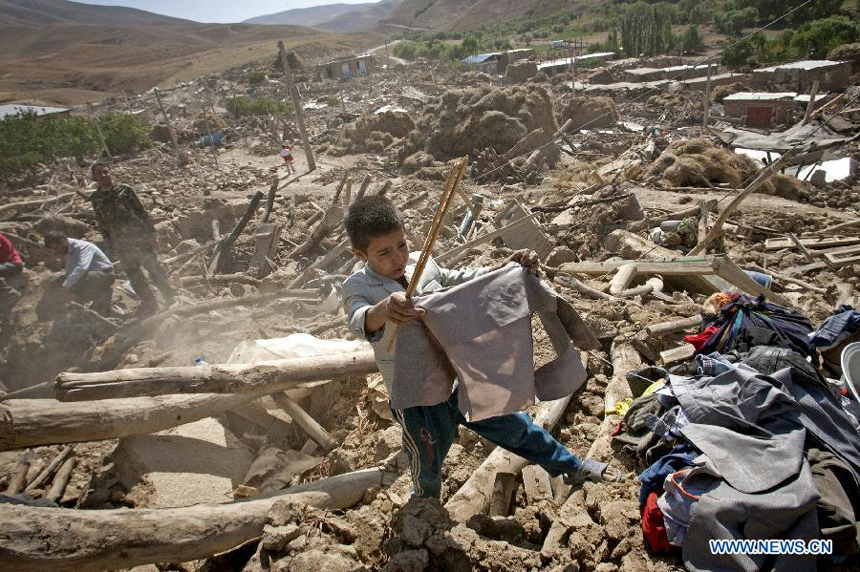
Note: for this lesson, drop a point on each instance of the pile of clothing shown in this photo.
(747, 441)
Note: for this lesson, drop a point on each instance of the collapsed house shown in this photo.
(346, 68)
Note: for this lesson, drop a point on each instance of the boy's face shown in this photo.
(101, 175)
(387, 254)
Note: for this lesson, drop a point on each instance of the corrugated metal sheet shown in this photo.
(14, 109)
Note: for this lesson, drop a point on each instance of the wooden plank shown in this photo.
(527, 235)
(666, 328)
(677, 355)
(843, 256)
(774, 244)
(728, 271)
(670, 268)
(266, 248)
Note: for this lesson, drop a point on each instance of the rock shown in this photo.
(560, 255)
(415, 531)
(70, 227)
(334, 559)
(408, 561)
(275, 538)
(388, 442)
(591, 112)
(819, 179)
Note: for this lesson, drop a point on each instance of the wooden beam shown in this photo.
(297, 105)
(678, 354)
(666, 328)
(278, 375)
(36, 539)
(811, 105)
(310, 426)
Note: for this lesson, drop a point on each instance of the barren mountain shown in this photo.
(335, 17)
(467, 14)
(43, 12)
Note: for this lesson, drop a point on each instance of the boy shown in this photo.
(287, 154)
(375, 295)
(130, 235)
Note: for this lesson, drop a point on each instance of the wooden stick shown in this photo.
(93, 540)
(46, 473)
(19, 478)
(225, 245)
(297, 104)
(810, 105)
(270, 202)
(665, 328)
(62, 480)
(310, 426)
(441, 211)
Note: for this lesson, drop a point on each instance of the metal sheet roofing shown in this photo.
(14, 109)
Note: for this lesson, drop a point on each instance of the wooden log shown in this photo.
(705, 208)
(95, 540)
(574, 284)
(237, 278)
(227, 243)
(27, 422)
(363, 188)
(333, 216)
(270, 202)
(297, 106)
(19, 477)
(61, 481)
(49, 471)
(811, 105)
(278, 375)
(474, 496)
(503, 489)
(666, 328)
(310, 426)
(624, 359)
(34, 203)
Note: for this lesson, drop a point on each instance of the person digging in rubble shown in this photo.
(89, 273)
(10, 265)
(375, 295)
(130, 236)
(287, 154)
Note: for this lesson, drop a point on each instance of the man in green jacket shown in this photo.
(130, 235)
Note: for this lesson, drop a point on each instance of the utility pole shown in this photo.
(180, 156)
(707, 98)
(297, 104)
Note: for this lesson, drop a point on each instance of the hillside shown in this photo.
(307, 16)
(334, 17)
(69, 64)
(44, 12)
(468, 14)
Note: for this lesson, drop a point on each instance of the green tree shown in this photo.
(737, 55)
(733, 22)
(646, 28)
(821, 36)
(691, 40)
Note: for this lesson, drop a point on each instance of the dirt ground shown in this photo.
(583, 194)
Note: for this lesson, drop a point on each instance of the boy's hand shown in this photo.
(400, 309)
(526, 258)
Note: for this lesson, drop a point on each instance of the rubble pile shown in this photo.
(374, 133)
(199, 435)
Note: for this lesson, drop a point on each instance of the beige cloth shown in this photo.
(480, 333)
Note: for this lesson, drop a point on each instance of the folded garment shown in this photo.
(844, 322)
(481, 333)
(653, 477)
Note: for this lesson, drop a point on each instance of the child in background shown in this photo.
(287, 154)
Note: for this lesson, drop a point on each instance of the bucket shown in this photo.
(850, 362)
(761, 279)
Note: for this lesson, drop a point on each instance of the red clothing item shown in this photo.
(653, 527)
(8, 252)
(699, 340)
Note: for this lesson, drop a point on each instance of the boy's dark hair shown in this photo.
(99, 163)
(54, 237)
(369, 217)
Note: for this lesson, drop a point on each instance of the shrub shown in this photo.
(256, 77)
(821, 36)
(245, 106)
(26, 140)
(691, 40)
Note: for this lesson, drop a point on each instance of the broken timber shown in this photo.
(93, 540)
(277, 375)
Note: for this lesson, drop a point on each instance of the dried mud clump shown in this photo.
(699, 163)
(373, 133)
(521, 71)
(468, 121)
(590, 112)
(723, 91)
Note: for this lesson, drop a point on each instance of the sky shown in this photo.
(217, 10)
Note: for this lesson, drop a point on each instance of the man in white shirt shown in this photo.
(89, 273)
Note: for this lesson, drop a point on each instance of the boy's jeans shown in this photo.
(428, 432)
